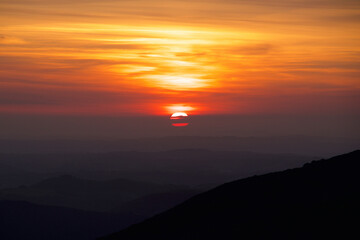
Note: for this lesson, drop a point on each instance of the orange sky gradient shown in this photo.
(158, 57)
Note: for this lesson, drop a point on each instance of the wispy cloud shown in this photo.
(137, 56)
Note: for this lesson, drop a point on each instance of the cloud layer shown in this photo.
(140, 57)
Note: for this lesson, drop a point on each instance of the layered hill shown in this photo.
(28, 221)
(318, 201)
(73, 192)
(190, 167)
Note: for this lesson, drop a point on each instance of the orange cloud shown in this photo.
(199, 56)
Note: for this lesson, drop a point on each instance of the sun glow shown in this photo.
(178, 82)
(179, 114)
(179, 108)
(185, 56)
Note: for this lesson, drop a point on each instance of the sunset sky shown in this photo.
(137, 57)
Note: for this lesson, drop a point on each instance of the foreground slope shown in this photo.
(317, 201)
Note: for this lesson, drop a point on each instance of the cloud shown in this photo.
(256, 49)
(66, 54)
(69, 96)
(10, 40)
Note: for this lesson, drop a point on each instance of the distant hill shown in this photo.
(318, 201)
(27, 221)
(70, 191)
(296, 144)
(181, 167)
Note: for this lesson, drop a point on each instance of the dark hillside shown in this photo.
(28, 221)
(318, 201)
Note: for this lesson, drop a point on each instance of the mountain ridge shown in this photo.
(306, 202)
(89, 195)
(27, 221)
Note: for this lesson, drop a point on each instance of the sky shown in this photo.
(203, 57)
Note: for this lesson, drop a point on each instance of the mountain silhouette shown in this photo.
(299, 144)
(28, 221)
(192, 167)
(318, 201)
(73, 192)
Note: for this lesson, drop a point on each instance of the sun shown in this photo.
(179, 119)
(178, 115)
